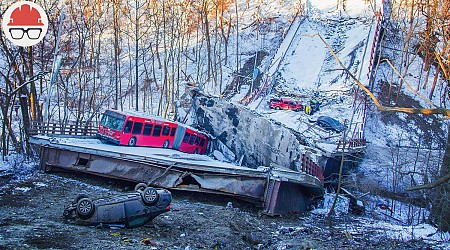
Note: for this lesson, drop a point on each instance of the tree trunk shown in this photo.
(440, 210)
(208, 39)
(34, 104)
(436, 77)
(23, 100)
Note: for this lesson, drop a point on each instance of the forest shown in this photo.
(141, 54)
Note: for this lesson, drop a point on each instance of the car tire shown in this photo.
(150, 196)
(132, 142)
(277, 108)
(85, 208)
(140, 187)
(166, 144)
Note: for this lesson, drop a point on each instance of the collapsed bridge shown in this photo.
(277, 190)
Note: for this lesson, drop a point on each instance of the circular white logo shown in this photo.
(25, 23)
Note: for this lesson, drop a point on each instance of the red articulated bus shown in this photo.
(139, 129)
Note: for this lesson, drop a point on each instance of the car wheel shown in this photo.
(85, 208)
(140, 187)
(132, 142)
(166, 144)
(277, 108)
(150, 196)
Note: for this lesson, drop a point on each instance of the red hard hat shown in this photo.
(25, 16)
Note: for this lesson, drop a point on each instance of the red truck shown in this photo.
(285, 103)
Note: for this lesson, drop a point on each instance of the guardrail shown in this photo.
(42, 128)
(310, 167)
(268, 80)
(374, 49)
(351, 144)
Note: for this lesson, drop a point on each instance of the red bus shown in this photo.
(139, 129)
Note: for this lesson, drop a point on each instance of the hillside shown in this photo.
(245, 53)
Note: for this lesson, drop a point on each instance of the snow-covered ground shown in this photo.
(395, 222)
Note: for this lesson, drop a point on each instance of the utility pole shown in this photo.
(55, 68)
(137, 55)
(237, 45)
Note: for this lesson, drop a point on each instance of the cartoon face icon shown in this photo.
(25, 23)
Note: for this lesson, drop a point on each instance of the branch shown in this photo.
(407, 84)
(424, 111)
(32, 79)
(442, 65)
(431, 185)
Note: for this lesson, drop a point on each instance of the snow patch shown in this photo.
(22, 189)
(341, 207)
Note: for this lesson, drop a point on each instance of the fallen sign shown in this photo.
(276, 190)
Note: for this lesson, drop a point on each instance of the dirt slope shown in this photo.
(31, 218)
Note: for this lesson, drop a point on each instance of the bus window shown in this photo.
(103, 120)
(128, 126)
(186, 137)
(173, 131)
(137, 128)
(192, 139)
(166, 130)
(157, 130)
(202, 142)
(147, 129)
(197, 140)
(112, 120)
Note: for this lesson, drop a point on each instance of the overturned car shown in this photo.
(128, 210)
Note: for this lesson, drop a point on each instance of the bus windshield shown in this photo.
(113, 122)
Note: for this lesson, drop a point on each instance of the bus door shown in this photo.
(178, 137)
(126, 133)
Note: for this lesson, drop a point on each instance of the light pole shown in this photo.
(55, 68)
(137, 59)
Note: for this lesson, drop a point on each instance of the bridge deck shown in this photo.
(278, 190)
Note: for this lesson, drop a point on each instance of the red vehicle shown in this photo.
(139, 129)
(285, 103)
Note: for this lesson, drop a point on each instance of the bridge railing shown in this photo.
(83, 129)
(374, 50)
(310, 167)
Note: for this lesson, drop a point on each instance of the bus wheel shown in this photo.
(166, 144)
(132, 142)
(196, 151)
